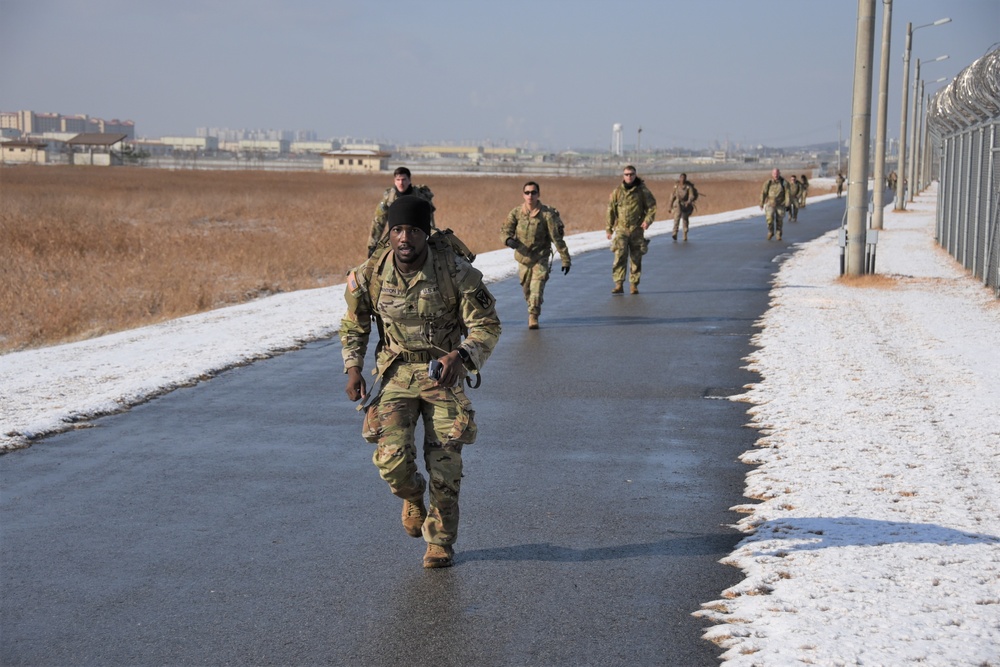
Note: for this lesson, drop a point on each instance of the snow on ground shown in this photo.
(876, 539)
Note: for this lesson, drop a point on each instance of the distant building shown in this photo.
(317, 147)
(355, 161)
(269, 146)
(96, 149)
(191, 144)
(31, 123)
(22, 152)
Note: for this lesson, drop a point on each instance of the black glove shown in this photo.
(511, 243)
(565, 269)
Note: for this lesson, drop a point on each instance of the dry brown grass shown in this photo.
(85, 251)
(869, 281)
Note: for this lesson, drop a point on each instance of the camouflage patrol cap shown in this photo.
(410, 210)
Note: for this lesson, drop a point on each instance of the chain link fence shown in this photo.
(963, 125)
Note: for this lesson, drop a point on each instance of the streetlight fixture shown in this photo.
(917, 95)
(901, 163)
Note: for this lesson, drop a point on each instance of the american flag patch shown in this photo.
(352, 281)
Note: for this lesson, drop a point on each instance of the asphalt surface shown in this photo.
(240, 521)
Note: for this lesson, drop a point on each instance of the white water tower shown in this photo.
(616, 139)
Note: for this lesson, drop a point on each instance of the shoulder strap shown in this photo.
(445, 246)
(372, 273)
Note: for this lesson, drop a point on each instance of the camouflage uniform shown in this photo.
(419, 324)
(535, 232)
(794, 192)
(628, 209)
(803, 190)
(840, 184)
(683, 199)
(774, 199)
(382, 211)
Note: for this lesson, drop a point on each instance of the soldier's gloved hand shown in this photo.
(511, 243)
(565, 269)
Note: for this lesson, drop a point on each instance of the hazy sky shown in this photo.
(557, 73)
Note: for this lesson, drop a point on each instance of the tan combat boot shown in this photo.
(438, 555)
(532, 321)
(617, 289)
(633, 289)
(414, 513)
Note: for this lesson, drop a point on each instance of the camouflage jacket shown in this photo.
(418, 320)
(535, 231)
(630, 207)
(684, 196)
(794, 190)
(774, 192)
(382, 210)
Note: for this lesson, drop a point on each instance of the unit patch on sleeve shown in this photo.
(484, 298)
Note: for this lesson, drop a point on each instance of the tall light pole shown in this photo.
(901, 164)
(922, 137)
(878, 192)
(857, 168)
(912, 165)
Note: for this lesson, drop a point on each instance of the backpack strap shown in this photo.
(372, 273)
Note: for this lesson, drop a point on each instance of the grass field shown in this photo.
(86, 251)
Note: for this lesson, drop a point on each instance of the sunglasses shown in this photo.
(531, 192)
(629, 173)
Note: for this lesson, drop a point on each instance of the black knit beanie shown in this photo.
(411, 210)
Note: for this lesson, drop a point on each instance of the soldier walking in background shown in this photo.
(803, 190)
(840, 184)
(401, 186)
(794, 190)
(425, 300)
(531, 229)
(682, 201)
(773, 200)
(631, 210)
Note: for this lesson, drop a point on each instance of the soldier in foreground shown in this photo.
(773, 200)
(630, 213)
(402, 185)
(682, 201)
(531, 229)
(437, 323)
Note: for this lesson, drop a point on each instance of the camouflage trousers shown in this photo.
(775, 216)
(533, 278)
(628, 246)
(683, 215)
(409, 396)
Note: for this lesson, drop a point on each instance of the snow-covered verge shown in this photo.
(876, 540)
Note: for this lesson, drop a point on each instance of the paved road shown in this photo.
(241, 521)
